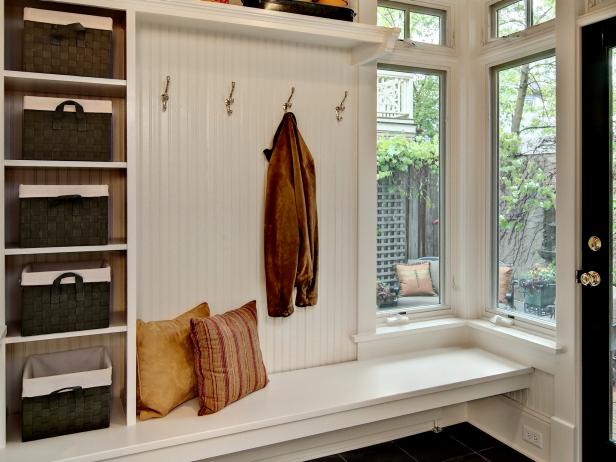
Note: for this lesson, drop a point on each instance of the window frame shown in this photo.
(496, 6)
(521, 319)
(436, 308)
(421, 9)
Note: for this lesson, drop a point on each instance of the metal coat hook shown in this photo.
(288, 105)
(341, 107)
(165, 96)
(229, 101)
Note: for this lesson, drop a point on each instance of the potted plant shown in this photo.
(386, 296)
(539, 286)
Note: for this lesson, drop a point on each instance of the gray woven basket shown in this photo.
(65, 307)
(60, 135)
(69, 50)
(65, 412)
(63, 221)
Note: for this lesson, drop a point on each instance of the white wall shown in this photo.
(203, 174)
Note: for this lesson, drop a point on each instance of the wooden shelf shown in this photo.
(366, 42)
(63, 164)
(12, 249)
(118, 325)
(55, 83)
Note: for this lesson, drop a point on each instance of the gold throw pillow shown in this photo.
(165, 364)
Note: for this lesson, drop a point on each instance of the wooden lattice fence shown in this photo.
(407, 226)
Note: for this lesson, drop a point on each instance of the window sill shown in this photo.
(532, 340)
(413, 327)
(538, 342)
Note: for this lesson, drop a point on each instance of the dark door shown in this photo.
(598, 208)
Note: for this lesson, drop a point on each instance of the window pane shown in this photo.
(408, 169)
(527, 189)
(425, 28)
(391, 17)
(543, 10)
(511, 19)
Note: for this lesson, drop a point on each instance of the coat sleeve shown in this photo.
(281, 232)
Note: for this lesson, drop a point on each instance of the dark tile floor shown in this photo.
(457, 443)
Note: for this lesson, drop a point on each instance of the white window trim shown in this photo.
(539, 41)
(491, 27)
(449, 14)
(420, 57)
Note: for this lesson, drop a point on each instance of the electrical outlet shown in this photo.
(534, 437)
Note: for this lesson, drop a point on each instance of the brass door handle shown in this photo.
(591, 278)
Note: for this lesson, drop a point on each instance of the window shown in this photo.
(416, 23)
(511, 16)
(409, 196)
(525, 188)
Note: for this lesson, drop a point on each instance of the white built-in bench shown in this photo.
(295, 405)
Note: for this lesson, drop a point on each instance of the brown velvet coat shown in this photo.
(291, 228)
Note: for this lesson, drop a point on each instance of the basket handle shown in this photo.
(57, 200)
(65, 389)
(59, 115)
(55, 289)
(58, 33)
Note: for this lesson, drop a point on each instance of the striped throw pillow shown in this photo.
(228, 360)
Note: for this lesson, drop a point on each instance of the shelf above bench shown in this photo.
(366, 42)
(306, 402)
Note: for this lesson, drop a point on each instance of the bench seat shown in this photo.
(295, 404)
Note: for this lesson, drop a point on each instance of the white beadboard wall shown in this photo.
(201, 182)
(539, 397)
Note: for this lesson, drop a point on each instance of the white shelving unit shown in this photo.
(14, 348)
(362, 43)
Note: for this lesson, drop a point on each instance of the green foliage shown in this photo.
(527, 132)
(539, 276)
(425, 28)
(426, 104)
(409, 165)
(523, 185)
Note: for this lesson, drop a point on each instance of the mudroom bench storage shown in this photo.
(156, 205)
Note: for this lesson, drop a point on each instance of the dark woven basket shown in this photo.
(59, 135)
(65, 307)
(64, 412)
(69, 50)
(63, 221)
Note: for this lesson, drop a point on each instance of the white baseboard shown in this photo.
(351, 438)
(503, 418)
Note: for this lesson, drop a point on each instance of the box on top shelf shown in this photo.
(55, 42)
(61, 129)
